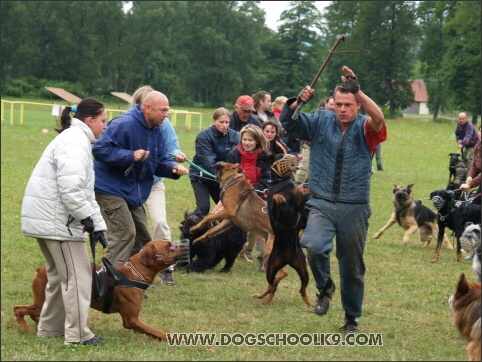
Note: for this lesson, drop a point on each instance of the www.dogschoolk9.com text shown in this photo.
(274, 339)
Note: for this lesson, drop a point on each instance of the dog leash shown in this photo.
(98, 279)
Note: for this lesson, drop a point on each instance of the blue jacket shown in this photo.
(172, 142)
(237, 125)
(114, 153)
(212, 146)
(340, 162)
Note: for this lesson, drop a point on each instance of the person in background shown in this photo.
(242, 115)
(252, 156)
(473, 175)
(303, 171)
(126, 157)
(278, 104)
(212, 146)
(156, 202)
(59, 210)
(276, 145)
(343, 143)
(466, 137)
(262, 106)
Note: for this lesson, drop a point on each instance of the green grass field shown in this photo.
(405, 295)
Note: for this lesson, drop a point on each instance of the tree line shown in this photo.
(207, 53)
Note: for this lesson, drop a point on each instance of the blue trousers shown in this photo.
(348, 223)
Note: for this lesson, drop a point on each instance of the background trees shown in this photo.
(209, 52)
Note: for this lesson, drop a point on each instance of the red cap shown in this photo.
(246, 103)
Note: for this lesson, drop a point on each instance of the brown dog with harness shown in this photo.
(241, 206)
(137, 274)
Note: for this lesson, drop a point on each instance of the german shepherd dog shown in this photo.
(454, 215)
(286, 206)
(411, 215)
(465, 310)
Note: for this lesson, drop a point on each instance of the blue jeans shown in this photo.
(349, 224)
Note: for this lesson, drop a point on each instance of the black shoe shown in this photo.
(351, 326)
(167, 278)
(323, 299)
(94, 341)
(248, 255)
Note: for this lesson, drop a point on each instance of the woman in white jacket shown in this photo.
(59, 210)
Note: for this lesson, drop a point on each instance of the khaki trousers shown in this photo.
(68, 291)
(127, 230)
(156, 207)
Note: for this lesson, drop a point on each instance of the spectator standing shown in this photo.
(242, 115)
(252, 156)
(466, 137)
(212, 146)
(473, 176)
(278, 104)
(343, 143)
(262, 106)
(59, 209)
(276, 145)
(127, 156)
(156, 202)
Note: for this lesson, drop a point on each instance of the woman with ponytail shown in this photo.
(59, 210)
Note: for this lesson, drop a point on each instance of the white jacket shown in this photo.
(62, 184)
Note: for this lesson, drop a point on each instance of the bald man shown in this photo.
(130, 152)
(467, 137)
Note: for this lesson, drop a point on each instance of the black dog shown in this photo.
(286, 209)
(207, 255)
(454, 160)
(453, 214)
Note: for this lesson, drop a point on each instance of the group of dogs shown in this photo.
(280, 220)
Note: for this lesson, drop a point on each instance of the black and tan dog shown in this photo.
(203, 256)
(454, 215)
(142, 268)
(411, 215)
(286, 202)
(465, 311)
(241, 206)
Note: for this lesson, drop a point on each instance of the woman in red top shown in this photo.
(252, 156)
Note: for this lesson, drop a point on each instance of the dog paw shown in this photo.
(376, 236)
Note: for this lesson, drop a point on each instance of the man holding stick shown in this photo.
(340, 167)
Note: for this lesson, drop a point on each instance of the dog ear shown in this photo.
(462, 286)
(395, 188)
(467, 224)
(147, 257)
(409, 188)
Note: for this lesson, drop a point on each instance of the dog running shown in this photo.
(411, 215)
(139, 272)
(454, 215)
(286, 202)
